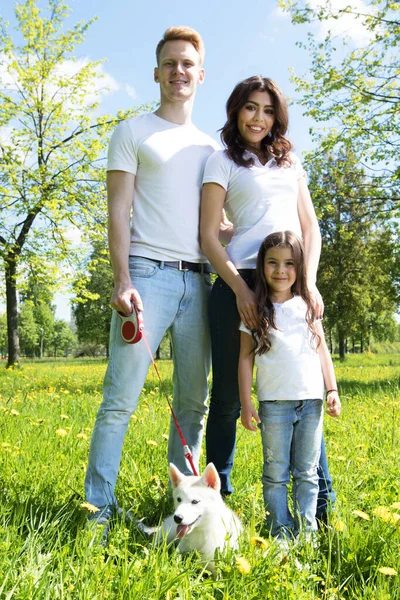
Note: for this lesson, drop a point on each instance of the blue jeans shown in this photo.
(291, 434)
(224, 399)
(176, 301)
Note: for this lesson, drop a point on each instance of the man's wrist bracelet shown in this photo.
(329, 391)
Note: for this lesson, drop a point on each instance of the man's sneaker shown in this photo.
(100, 522)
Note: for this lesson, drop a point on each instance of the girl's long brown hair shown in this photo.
(275, 144)
(265, 307)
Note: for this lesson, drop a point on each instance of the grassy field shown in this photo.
(47, 413)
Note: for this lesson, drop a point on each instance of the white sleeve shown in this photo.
(242, 327)
(297, 166)
(217, 169)
(122, 150)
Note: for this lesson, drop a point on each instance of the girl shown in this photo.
(262, 186)
(293, 363)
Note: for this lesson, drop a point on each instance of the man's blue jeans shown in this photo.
(176, 301)
(291, 437)
(224, 399)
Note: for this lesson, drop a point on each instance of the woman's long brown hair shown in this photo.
(265, 307)
(275, 144)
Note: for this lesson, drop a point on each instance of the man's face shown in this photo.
(179, 71)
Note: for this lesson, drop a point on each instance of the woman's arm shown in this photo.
(212, 203)
(333, 401)
(312, 243)
(245, 372)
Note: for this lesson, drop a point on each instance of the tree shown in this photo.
(358, 254)
(29, 331)
(354, 88)
(93, 288)
(52, 147)
(64, 339)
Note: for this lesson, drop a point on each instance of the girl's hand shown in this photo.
(333, 404)
(246, 305)
(248, 414)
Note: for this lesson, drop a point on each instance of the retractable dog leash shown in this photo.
(132, 331)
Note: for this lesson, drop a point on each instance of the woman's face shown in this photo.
(256, 118)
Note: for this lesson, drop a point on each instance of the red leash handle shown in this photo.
(186, 449)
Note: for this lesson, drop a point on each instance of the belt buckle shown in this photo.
(180, 267)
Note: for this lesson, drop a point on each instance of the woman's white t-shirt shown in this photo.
(291, 369)
(260, 200)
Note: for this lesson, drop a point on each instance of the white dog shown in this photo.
(201, 520)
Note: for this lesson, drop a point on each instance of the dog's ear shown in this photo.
(211, 478)
(175, 476)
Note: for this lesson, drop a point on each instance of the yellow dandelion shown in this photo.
(82, 436)
(89, 507)
(361, 514)
(340, 458)
(134, 418)
(5, 445)
(243, 565)
(338, 525)
(396, 505)
(387, 571)
(259, 541)
(14, 412)
(383, 513)
(61, 432)
(151, 443)
(165, 436)
(64, 417)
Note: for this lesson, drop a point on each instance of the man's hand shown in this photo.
(249, 414)
(123, 296)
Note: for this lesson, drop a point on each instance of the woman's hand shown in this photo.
(246, 305)
(316, 301)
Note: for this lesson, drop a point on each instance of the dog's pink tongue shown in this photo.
(181, 530)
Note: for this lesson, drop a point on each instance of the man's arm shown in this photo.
(120, 188)
(312, 243)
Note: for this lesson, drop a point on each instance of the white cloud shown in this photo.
(350, 24)
(130, 90)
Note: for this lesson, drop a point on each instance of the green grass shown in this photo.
(47, 411)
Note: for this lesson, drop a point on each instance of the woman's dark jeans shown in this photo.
(225, 403)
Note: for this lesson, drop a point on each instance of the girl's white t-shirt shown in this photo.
(291, 369)
(260, 200)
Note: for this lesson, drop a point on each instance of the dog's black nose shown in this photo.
(178, 519)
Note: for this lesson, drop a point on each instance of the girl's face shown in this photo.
(280, 273)
(256, 118)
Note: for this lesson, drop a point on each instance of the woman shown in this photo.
(262, 186)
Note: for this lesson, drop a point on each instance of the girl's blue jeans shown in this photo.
(291, 434)
(224, 400)
(176, 301)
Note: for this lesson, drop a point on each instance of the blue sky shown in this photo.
(241, 39)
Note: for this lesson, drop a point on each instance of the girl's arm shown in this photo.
(312, 243)
(246, 363)
(212, 203)
(333, 403)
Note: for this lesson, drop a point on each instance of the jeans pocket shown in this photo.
(142, 267)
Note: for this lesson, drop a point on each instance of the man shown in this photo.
(155, 164)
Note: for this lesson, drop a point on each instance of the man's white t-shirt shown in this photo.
(291, 369)
(168, 162)
(260, 200)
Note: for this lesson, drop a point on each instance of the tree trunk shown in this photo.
(342, 345)
(12, 313)
(362, 343)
